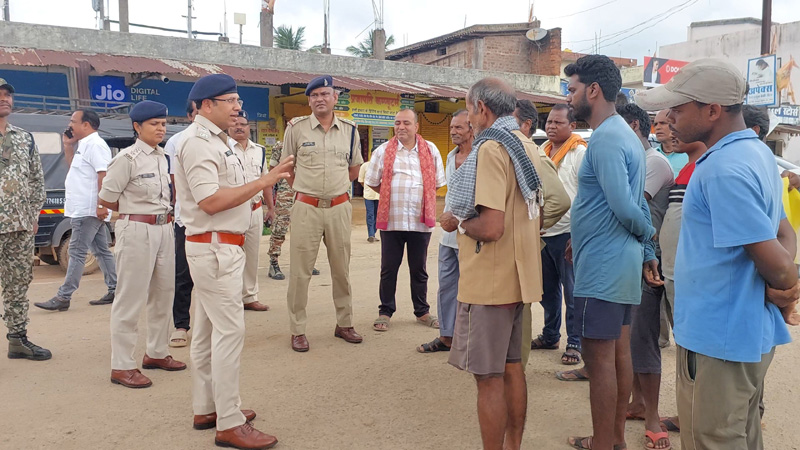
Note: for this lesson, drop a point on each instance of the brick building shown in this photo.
(502, 48)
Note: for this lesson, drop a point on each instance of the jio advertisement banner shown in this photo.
(658, 71)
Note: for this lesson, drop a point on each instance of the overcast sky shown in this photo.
(628, 28)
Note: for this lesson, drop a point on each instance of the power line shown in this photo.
(581, 12)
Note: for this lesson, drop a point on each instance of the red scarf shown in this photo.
(428, 183)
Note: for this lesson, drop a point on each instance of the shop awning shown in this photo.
(137, 64)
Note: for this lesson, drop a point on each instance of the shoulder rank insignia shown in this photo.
(348, 121)
(203, 133)
(297, 119)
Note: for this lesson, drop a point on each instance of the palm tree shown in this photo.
(364, 49)
(287, 38)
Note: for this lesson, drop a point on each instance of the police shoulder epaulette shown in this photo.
(348, 121)
(259, 145)
(298, 119)
(203, 133)
(131, 152)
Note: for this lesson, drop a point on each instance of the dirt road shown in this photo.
(379, 394)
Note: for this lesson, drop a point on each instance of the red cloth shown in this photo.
(428, 168)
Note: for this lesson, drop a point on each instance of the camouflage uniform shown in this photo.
(21, 197)
(283, 208)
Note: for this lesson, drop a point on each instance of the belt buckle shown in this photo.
(324, 203)
(161, 219)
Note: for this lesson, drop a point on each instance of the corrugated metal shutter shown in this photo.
(435, 127)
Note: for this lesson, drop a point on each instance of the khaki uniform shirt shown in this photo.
(21, 180)
(138, 178)
(255, 164)
(508, 270)
(205, 164)
(321, 159)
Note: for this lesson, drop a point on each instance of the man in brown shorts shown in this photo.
(495, 198)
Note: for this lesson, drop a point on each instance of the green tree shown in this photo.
(287, 38)
(364, 49)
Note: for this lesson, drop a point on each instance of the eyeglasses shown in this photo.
(232, 100)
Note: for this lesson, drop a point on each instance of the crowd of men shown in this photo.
(634, 239)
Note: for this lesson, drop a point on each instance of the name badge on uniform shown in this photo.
(147, 175)
(229, 153)
(309, 144)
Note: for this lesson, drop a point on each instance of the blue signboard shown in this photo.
(109, 88)
(32, 86)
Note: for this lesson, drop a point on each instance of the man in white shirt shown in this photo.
(183, 279)
(406, 172)
(88, 166)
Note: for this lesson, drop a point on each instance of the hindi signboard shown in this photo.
(372, 107)
(761, 81)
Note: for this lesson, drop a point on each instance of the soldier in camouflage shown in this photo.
(21, 197)
(283, 208)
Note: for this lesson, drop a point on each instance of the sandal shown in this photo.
(576, 374)
(571, 357)
(179, 338)
(429, 320)
(652, 438)
(433, 346)
(578, 442)
(539, 344)
(381, 320)
(667, 424)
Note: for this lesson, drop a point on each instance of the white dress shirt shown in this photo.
(170, 150)
(91, 156)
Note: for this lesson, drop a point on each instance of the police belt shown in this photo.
(222, 238)
(150, 219)
(322, 203)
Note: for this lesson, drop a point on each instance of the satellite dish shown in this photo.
(536, 34)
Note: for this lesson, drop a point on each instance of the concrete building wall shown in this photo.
(702, 32)
(46, 37)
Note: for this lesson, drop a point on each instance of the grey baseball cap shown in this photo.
(5, 85)
(706, 80)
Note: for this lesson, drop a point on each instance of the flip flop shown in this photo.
(668, 425)
(429, 321)
(381, 320)
(652, 438)
(574, 372)
(577, 442)
(538, 344)
(179, 338)
(433, 346)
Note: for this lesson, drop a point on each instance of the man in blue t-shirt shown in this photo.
(611, 242)
(725, 331)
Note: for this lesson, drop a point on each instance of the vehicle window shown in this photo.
(48, 143)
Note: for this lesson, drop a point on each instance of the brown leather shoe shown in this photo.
(348, 334)
(206, 421)
(299, 343)
(256, 306)
(130, 378)
(245, 437)
(165, 364)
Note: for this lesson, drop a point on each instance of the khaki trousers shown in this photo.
(218, 330)
(252, 240)
(718, 407)
(145, 260)
(308, 226)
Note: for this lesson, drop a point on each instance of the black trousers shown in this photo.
(392, 243)
(183, 281)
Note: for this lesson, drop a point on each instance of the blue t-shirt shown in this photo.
(733, 199)
(610, 218)
(676, 160)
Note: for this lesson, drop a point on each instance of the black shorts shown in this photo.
(600, 319)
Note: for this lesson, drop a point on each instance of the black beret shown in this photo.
(147, 110)
(323, 81)
(211, 86)
(243, 113)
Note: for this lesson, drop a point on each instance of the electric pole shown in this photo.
(189, 18)
(124, 25)
(6, 10)
(766, 26)
(265, 22)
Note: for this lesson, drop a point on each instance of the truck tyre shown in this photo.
(91, 265)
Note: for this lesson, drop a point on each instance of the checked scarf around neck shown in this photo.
(461, 190)
(428, 168)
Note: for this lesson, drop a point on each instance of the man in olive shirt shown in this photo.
(500, 263)
(215, 207)
(328, 154)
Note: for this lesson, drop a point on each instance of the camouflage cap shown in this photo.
(5, 85)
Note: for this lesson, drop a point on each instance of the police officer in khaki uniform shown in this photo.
(137, 185)
(328, 154)
(254, 159)
(215, 208)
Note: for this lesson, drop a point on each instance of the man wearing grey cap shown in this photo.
(726, 333)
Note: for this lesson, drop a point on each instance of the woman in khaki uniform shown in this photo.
(137, 185)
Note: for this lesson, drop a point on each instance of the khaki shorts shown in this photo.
(486, 338)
